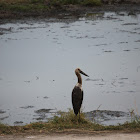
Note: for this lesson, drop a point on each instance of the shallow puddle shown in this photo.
(38, 59)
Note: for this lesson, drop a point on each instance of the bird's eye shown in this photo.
(79, 70)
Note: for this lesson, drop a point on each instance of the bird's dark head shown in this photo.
(80, 71)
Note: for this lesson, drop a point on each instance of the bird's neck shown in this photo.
(79, 78)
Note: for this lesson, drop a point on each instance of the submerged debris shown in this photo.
(122, 42)
(88, 79)
(137, 41)
(42, 111)
(18, 122)
(3, 118)
(123, 78)
(108, 51)
(1, 111)
(26, 107)
(108, 117)
(27, 81)
(41, 114)
(101, 45)
(126, 50)
(46, 97)
(6, 29)
(130, 24)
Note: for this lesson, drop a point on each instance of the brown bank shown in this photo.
(18, 9)
(76, 136)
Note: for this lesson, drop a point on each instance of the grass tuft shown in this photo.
(65, 120)
(70, 120)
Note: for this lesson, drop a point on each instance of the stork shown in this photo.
(77, 93)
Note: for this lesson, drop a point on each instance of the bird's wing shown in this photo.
(81, 98)
(77, 98)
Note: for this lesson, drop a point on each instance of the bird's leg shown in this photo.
(79, 116)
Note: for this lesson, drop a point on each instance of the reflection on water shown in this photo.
(38, 59)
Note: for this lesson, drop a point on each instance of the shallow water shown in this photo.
(38, 59)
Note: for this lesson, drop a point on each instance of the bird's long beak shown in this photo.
(83, 73)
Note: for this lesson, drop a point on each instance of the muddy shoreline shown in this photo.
(72, 10)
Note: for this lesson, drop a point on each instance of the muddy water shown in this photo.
(38, 59)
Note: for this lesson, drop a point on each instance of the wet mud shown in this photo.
(107, 117)
(41, 114)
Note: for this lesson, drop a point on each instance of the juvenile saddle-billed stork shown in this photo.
(77, 93)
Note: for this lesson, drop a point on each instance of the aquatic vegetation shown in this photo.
(23, 5)
(21, 8)
(42, 5)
